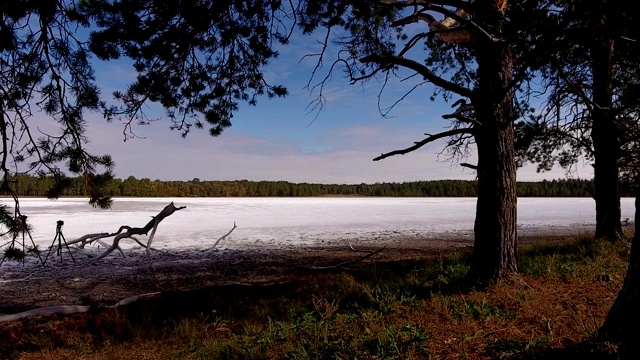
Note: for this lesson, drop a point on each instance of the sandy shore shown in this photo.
(104, 282)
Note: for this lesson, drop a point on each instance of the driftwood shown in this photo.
(128, 232)
(79, 309)
(73, 309)
(85, 239)
(53, 310)
(125, 232)
(224, 236)
(151, 225)
(175, 297)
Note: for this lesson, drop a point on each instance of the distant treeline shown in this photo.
(26, 185)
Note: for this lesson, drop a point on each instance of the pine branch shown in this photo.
(420, 69)
(430, 138)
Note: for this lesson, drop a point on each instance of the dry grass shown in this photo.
(411, 310)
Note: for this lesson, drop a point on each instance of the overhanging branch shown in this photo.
(430, 138)
(470, 166)
(420, 69)
(464, 113)
(462, 118)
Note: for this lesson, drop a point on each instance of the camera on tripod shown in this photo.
(59, 238)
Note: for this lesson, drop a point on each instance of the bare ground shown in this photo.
(104, 282)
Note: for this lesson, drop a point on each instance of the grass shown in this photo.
(395, 310)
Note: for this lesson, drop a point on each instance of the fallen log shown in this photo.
(52, 310)
(124, 304)
(131, 231)
(73, 309)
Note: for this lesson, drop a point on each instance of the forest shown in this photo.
(27, 185)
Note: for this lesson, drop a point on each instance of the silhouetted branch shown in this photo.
(420, 69)
(470, 166)
(429, 139)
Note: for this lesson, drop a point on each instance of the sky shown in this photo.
(281, 139)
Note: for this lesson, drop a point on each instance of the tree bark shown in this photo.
(494, 250)
(622, 325)
(604, 134)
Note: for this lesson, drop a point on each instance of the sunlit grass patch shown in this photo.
(583, 258)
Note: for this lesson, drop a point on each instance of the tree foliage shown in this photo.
(192, 57)
(47, 87)
(199, 60)
(585, 70)
(476, 53)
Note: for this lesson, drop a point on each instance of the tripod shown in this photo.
(60, 238)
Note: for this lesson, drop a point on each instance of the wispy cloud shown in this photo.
(280, 140)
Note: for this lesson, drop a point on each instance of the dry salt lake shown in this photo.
(268, 222)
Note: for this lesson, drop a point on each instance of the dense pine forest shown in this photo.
(40, 186)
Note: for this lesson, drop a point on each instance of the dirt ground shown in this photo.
(105, 282)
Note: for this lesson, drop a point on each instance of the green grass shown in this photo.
(581, 258)
(388, 310)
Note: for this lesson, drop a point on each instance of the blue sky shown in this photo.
(281, 140)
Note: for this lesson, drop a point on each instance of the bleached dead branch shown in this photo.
(73, 309)
(131, 231)
(224, 236)
(128, 232)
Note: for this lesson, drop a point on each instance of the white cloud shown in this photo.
(328, 152)
(278, 140)
(235, 156)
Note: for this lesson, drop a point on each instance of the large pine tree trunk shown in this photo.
(494, 250)
(606, 145)
(622, 325)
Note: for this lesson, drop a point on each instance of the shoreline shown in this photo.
(107, 281)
